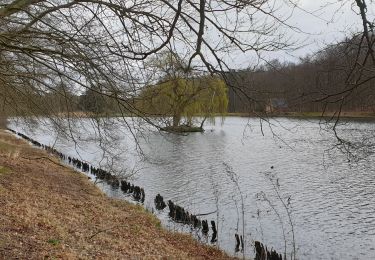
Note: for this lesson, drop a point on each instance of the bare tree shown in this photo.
(84, 44)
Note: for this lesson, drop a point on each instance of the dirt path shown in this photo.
(48, 211)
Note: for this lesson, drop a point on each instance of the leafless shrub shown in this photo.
(286, 206)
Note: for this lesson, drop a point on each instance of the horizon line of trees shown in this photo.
(100, 101)
(329, 80)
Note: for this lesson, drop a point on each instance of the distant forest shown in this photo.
(330, 80)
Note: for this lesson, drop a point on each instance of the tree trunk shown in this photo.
(3, 115)
(176, 120)
(202, 123)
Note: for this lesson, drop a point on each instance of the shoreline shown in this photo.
(328, 115)
(48, 210)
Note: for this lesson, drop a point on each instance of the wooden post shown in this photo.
(214, 232)
(237, 243)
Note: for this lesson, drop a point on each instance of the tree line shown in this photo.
(329, 80)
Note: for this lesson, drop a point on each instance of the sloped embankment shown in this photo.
(50, 211)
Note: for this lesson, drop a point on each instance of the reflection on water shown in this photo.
(330, 199)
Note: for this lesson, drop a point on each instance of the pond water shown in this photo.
(287, 176)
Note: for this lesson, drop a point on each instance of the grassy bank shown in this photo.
(49, 211)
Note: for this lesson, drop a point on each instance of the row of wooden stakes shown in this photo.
(137, 192)
(180, 215)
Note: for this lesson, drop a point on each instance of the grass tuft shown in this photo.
(54, 242)
(4, 170)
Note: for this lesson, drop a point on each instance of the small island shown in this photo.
(182, 99)
(182, 129)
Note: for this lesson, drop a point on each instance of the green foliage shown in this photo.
(4, 170)
(180, 97)
(54, 242)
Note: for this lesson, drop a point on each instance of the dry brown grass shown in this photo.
(48, 211)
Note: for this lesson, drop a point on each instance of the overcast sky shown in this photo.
(327, 24)
(322, 22)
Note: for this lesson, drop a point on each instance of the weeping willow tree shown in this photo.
(179, 100)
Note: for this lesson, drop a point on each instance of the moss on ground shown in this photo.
(4, 170)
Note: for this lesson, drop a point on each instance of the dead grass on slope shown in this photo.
(48, 211)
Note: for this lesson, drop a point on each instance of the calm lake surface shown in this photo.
(294, 167)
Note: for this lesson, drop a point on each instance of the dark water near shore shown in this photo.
(330, 196)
